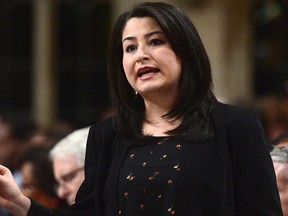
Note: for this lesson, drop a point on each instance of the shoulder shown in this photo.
(100, 139)
(102, 132)
(230, 111)
(239, 122)
(104, 127)
(240, 126)
(231, 114)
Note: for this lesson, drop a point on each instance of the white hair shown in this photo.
(73, 144)
(279, 157)
(280, 154)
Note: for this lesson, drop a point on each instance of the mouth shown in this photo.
(147, 71)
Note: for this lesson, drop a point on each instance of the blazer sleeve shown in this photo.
(255, 184)
(37, 209)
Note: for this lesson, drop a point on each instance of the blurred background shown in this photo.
(53, 57)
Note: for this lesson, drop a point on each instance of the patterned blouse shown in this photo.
(148, 179)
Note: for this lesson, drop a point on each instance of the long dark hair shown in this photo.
(195, 99)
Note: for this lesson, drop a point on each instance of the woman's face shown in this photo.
(150, 64)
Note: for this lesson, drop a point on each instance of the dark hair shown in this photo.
(38, 156)
(280, 138)
(195, 98)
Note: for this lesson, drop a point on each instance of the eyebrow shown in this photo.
(146, 35)
(75, 171)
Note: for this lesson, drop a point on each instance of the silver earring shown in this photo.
(136, 94)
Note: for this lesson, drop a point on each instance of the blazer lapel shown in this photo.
(111, 192)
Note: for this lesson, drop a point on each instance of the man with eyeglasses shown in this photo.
(279, 156)
(68, 157)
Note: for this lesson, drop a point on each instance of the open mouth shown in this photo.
(148, 72)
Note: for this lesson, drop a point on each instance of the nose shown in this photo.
(141, 55)
(62, 192)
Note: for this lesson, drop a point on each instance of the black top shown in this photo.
(229, 175)
(148, 178)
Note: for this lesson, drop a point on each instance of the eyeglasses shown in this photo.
(28, 186)
(67, 178)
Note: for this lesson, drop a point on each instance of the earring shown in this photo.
(136, 94)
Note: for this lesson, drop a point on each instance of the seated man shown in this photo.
(280, 162)
(68, 157)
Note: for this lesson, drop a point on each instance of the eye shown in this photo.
(130, 48)
(69, 177)
(156, 42)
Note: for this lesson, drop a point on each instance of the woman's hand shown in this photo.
(11, 197)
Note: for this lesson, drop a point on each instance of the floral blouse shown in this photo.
(148, 178)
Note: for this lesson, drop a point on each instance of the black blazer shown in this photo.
(231, 175)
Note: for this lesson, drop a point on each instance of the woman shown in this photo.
(171, 148)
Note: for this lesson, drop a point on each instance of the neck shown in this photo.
(159, 127)
(155, 108)
(155, 124)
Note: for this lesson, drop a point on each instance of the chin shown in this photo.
(71, 202)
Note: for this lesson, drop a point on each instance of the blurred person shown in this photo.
(16, 132)
(281, 140)
(50, 135)
(170, 148)
(68, 157)
(38, 179)
(273, 111)
(280, 161)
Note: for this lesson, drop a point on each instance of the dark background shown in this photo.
(82, 35)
